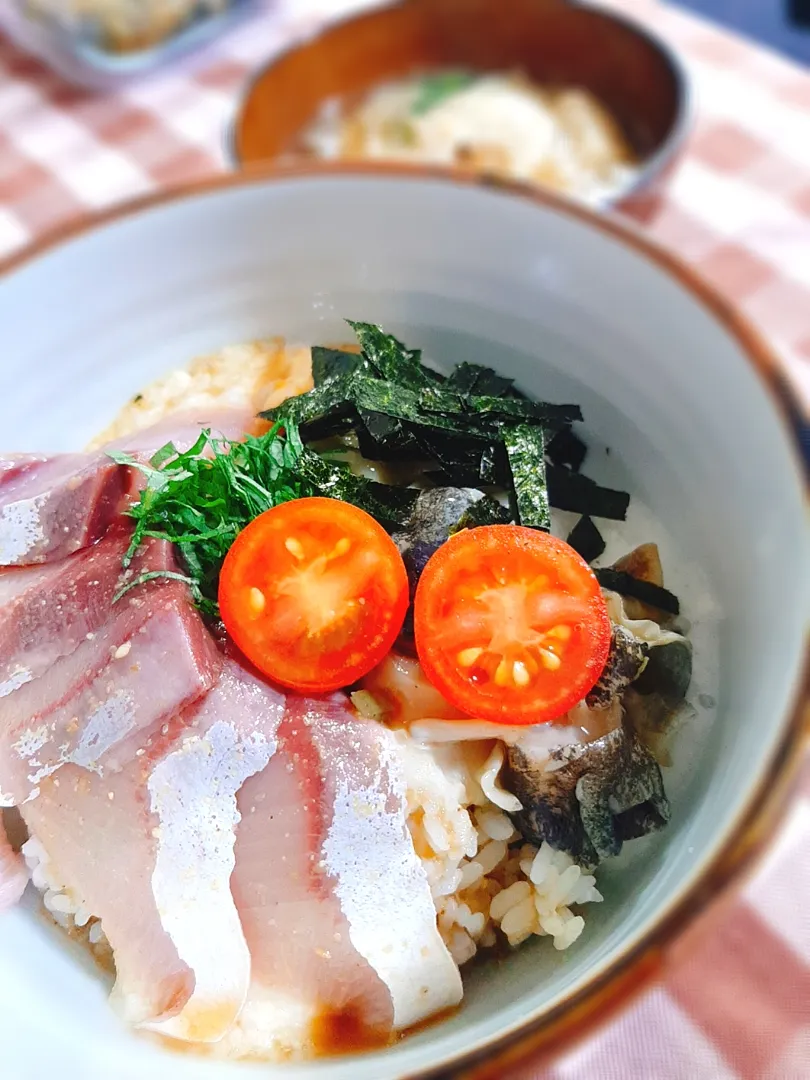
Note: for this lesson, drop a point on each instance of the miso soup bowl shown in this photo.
(576, 307)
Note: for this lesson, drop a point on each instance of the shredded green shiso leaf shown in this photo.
(201, 499)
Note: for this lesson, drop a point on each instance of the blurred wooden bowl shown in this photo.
(636, 76)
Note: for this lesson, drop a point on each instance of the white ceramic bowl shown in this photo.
(576, 308)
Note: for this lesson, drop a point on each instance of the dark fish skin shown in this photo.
(626, 660)
(668, 672)
(596, 796)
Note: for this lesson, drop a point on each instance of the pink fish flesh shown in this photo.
(107, 685)
(335, 904)
(150, 851)
(53, 506)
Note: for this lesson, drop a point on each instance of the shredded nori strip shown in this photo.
(329, 407)
(405, 404)
(320, 413)
(586, 539)
(568, 490)
(474, 425)
(390, 359)
(626, 585)
(476, 379)
(392, 505)
(440, 400)
(458, 456)
(383, 438)
(329, 362)
(540, 412)
(493, 469)
(567, 449)
(525, 449)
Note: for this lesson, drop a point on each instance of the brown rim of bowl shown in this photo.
(655, 166)
(587, 1008)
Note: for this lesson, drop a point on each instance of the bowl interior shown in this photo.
(573, 312)
(552, 41)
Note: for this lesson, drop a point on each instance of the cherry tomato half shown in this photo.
(510, 624)
(314, 593)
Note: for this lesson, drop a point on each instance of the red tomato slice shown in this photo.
(314, 593)
(510, 624)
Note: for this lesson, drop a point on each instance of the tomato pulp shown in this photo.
(314, 593)
(510, 624)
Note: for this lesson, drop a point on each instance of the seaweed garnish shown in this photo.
(390, 359)
(586, 539)
(573, 491)
(327, 363)
(525, 450)
(625, 584)
(383, 438)
(389, 504)
(325, 411)
(471, 429)
(467, 378)
(435, 517)
(567, 449)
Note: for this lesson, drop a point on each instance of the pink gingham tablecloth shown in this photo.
(734, 1003)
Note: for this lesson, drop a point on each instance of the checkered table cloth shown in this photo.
(734, 1003)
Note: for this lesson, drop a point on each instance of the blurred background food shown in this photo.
(99, 43)
(123, 25)
(563, 139)
(574, 98)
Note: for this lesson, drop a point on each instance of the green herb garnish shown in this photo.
(433, 89)
(200, 499)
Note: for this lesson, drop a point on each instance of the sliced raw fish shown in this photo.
(48, 611)
(13, 874)
(335, 903)
(54, 505)
(92, 703)
(51, 506)
(150, 851)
